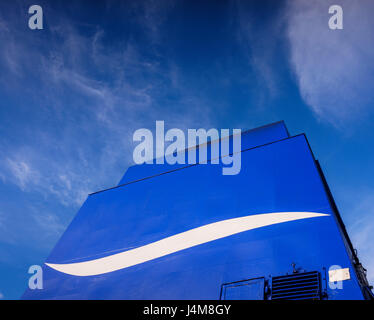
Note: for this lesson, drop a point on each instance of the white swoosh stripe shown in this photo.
(178, 242)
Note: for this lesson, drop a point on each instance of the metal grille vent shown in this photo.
(298, 286)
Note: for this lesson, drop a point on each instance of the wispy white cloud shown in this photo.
(260, 48)
(49, 223)
(1, 296)
(22, 173)
(333, 68)
(72, 132)
(151, 15)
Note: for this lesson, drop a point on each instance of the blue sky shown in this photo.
(73, 93)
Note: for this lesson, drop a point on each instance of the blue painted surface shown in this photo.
(276, 177)
(244, 290)
(249, 139)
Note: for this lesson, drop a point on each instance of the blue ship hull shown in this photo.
(288, 260)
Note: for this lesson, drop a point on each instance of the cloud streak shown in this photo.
(333, 68)
(86, 141)
(71, 134)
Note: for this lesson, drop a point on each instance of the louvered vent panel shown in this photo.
(298, 286)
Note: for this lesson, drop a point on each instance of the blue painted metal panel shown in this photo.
(277, 177)
(244, 290)
(249, 139)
